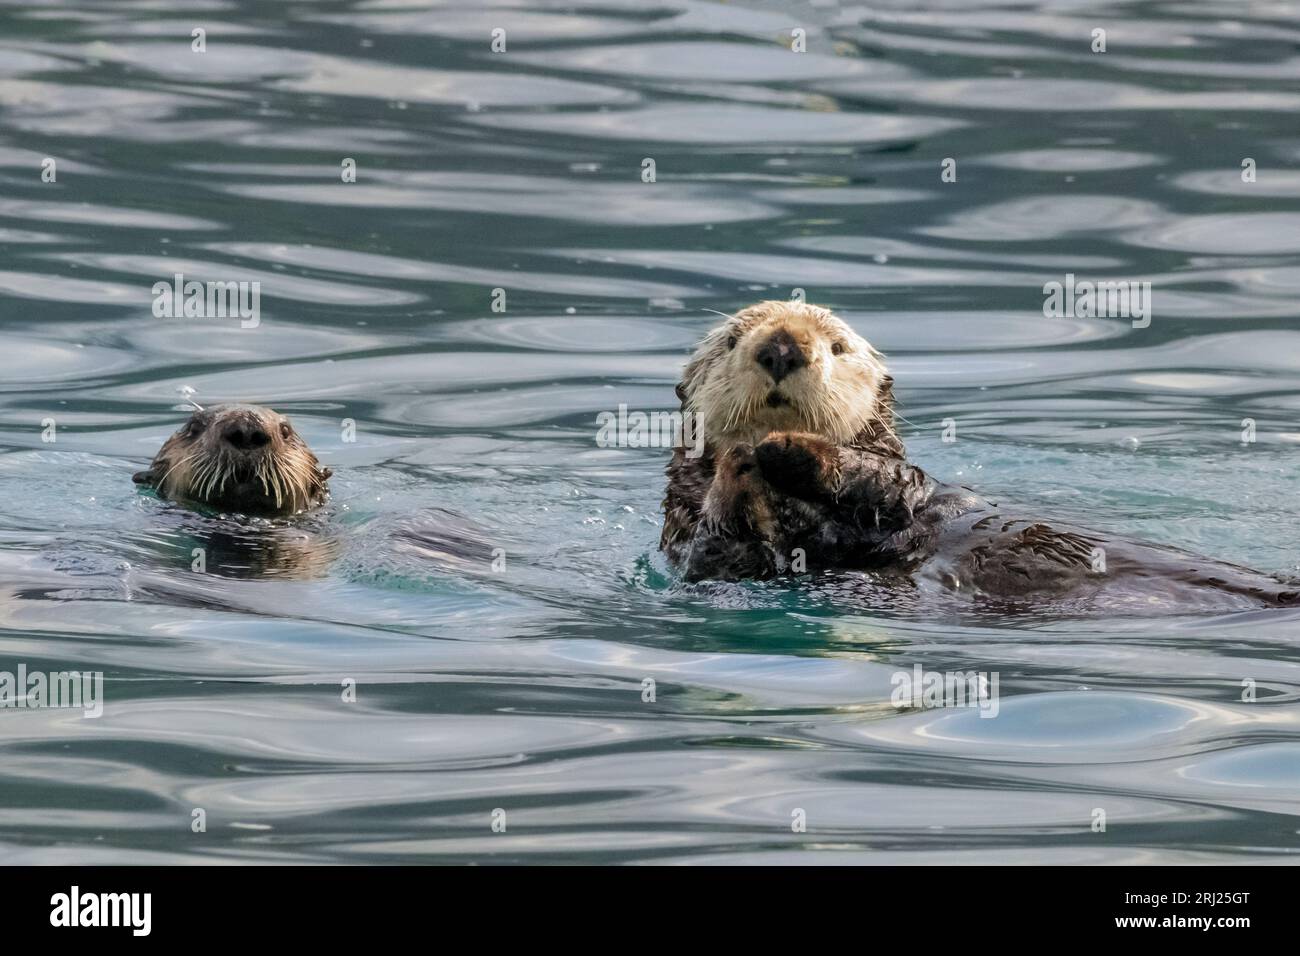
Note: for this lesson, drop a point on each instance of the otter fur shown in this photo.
(803, 470)
(238, 458)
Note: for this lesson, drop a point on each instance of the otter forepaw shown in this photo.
(736, 465)
(799, 464)
(736, 490)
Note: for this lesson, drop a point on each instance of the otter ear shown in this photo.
(325, 473)
(681, 392)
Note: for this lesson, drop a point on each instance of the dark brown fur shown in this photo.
(689, 479)
(798, 501)
(874, 512)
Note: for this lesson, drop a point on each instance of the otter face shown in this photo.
(787, 366)
(238, 458)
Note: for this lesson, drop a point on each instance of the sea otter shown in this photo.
(803, 470)
(238, 458)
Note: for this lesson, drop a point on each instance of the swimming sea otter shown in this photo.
(803, 470)
(240, 458)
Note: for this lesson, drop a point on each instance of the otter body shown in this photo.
(828, 488)
(843, 508)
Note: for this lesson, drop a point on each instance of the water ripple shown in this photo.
(486, 571)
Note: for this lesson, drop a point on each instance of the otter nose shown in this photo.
(780, 355)
(246, 435)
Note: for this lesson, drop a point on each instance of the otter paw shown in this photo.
(737, 492)
(737, 465)
(798, 463)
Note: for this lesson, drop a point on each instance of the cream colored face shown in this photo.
(784, 366)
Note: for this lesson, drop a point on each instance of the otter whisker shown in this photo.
(219, 477)
(243, 457)
(278, 481)
(904, 420)
(198, 476)
(263, 475)
(217, 482)
(733, 416)
(210, 476)
(198, 479)
(182, 461)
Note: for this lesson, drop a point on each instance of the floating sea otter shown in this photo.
(241, 458)
(803, 470)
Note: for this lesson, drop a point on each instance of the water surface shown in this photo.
(523, 687)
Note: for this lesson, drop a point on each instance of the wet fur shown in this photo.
(872, 512)
(808, 500)
(848, 397)
(195, 466)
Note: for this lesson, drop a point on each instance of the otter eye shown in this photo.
(731, 342)
(837, 348)
(285, 430)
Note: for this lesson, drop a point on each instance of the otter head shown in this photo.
(238, 458)
(788, 366)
